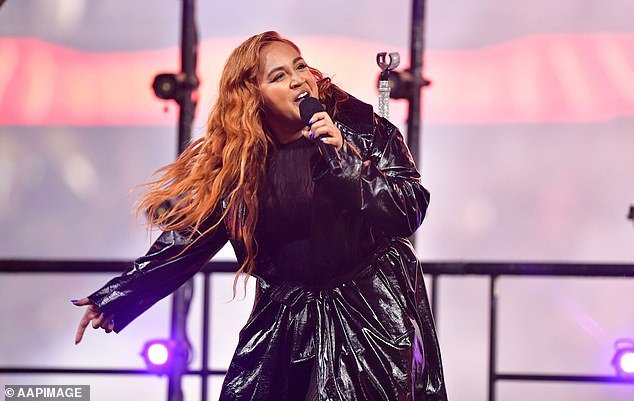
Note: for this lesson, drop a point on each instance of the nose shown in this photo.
(297, 80)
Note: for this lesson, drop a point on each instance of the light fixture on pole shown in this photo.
(623, 360)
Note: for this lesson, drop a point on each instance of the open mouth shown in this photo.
(302, 95)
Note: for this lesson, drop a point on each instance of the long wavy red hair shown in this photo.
(227, 161)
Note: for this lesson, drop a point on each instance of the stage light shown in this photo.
(160, 355)
(166, 85)
(623, 361)
(174, 86)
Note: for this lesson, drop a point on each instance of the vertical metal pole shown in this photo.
(417, 41)
(178, 332)
(492, 336)
(205, 347)
(189, 43)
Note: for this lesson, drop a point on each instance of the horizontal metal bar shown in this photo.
(530, 269)
(200, 372)
(90, 266)
(439, 268)
(27, 370)
(564, 378)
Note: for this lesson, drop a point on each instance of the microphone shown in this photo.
(307, 108)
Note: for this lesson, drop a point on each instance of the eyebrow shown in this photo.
(281, 68)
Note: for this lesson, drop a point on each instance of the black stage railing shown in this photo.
(493, 270)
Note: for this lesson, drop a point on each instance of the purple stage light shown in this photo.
(623, 360)
(159, 355)
(626, 362)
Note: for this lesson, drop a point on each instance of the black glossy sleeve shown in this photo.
(385, 187)
(156, 274)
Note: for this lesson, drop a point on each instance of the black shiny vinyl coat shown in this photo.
(365, 318)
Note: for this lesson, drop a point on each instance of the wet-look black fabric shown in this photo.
(358, 312)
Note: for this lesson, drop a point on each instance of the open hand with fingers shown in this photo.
(93, 314)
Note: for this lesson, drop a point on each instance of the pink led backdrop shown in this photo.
(534, 79)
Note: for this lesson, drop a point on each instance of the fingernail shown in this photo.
(311, 120)
(74, 300)
(312, 135)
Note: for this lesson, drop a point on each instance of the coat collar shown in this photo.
(354, 114)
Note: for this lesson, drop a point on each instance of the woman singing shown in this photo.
(341, 312)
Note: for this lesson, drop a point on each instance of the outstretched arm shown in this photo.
(156, 274)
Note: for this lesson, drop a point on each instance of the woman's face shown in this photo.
(284, 79)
